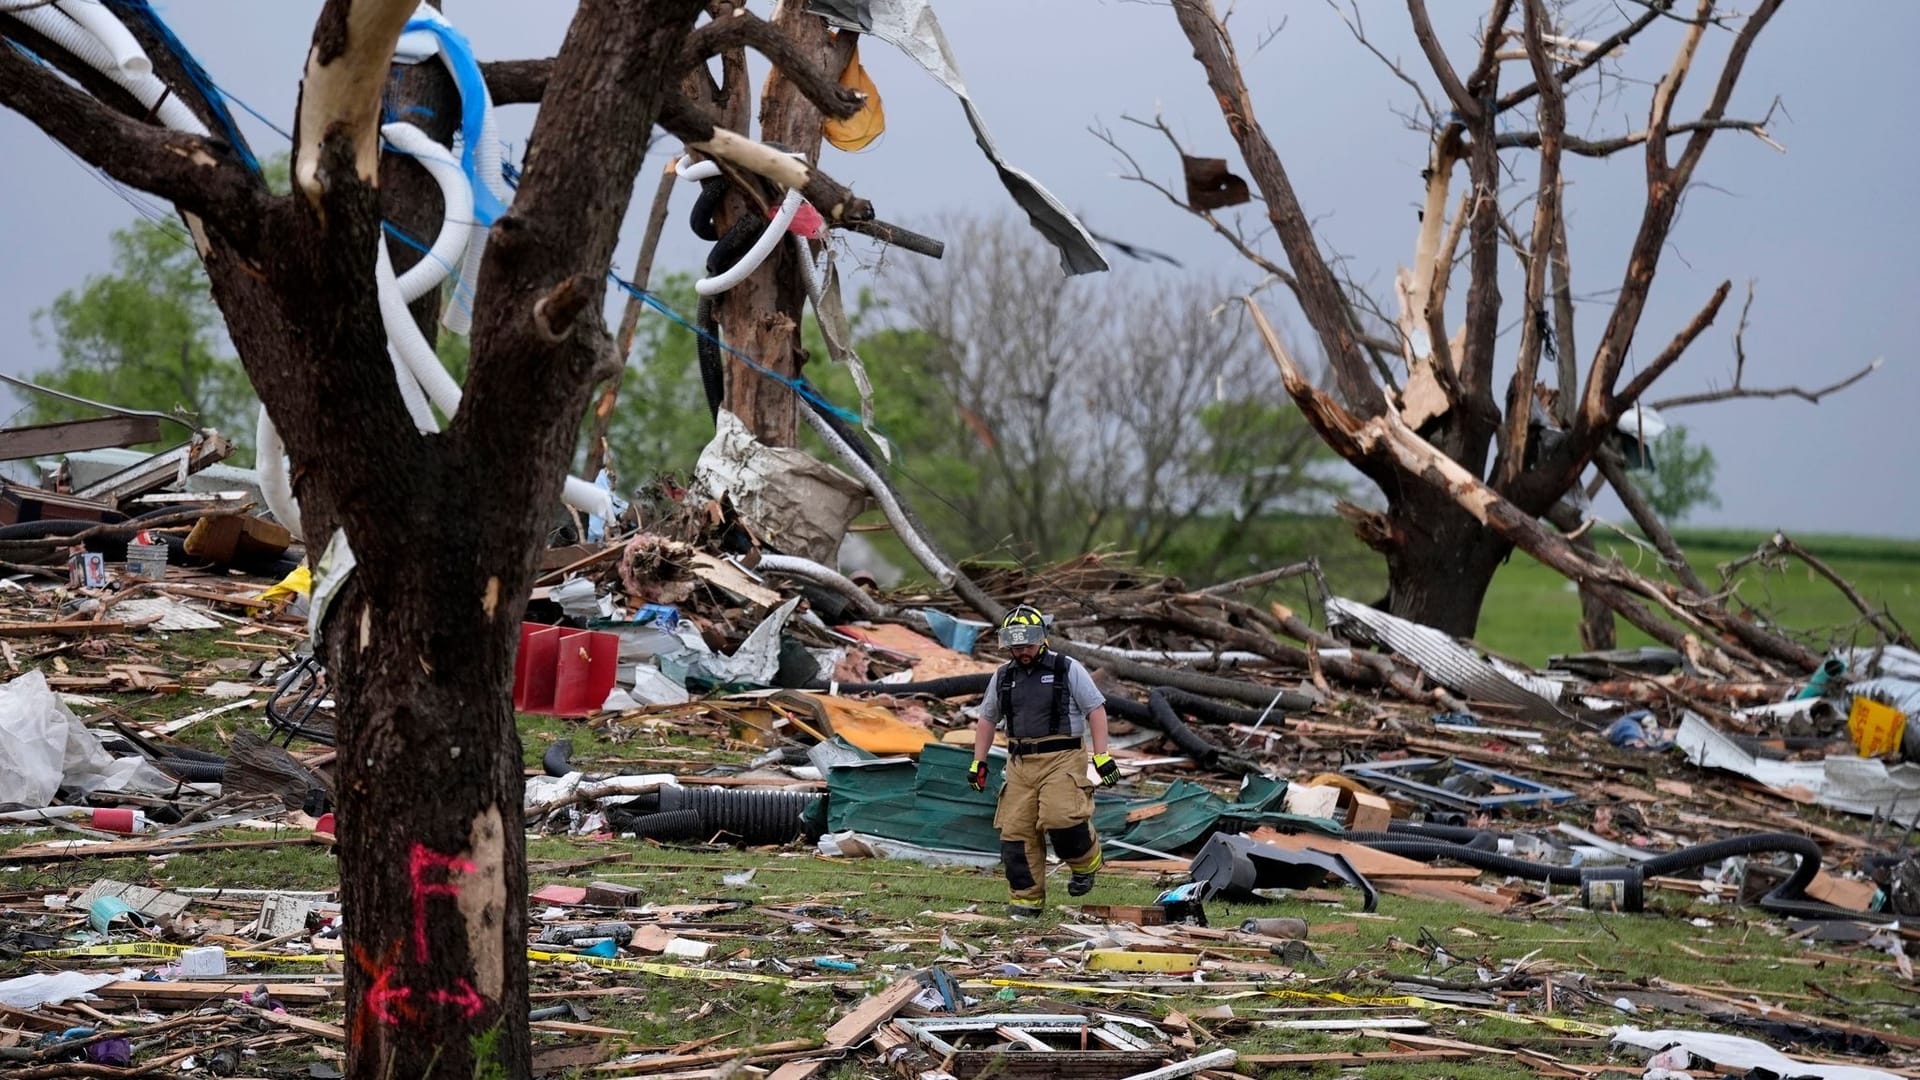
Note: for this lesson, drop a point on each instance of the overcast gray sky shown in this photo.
(1826, 229)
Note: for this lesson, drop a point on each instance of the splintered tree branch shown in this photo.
(1386, 439)
(1546, 210)
(1599, 148)
(524, 82)
(698, 127)
(1671, 354)
(1739, 388)
(346, 71)
(1612, 467)
(1600, 51)
(1664, 188)
(737, 27)
(1880, 618)
(1321, 299)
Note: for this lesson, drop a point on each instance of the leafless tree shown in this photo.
(445, 526)
(1467, 473)
(1112, 409)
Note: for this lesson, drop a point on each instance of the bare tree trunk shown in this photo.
(762, 315)
(1440, 559)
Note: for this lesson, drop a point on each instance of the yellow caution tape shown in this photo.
(1070, 988)
(161, 950)
(673, 971)
(1408, 1001)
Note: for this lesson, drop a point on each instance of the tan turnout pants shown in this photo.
(1047, 796)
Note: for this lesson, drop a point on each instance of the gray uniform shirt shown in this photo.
(1082, 696)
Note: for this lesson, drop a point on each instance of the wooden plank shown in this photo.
(291, 993)
(73, 627)
(334, 1032)
(854, 1027)
(1349, 1057)
(1373, 865)
(68, 436)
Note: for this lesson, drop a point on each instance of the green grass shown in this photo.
(1532, 612)
(889, 915)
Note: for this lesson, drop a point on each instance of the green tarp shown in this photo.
(931, 804)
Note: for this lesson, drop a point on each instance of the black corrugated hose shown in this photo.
(1788, 898)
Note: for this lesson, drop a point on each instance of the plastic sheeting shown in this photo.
(1444, 660)
(910, 26)
(1735, 1052)
(790, 499)
(33, 991)
(45, 748)
(1854, 785)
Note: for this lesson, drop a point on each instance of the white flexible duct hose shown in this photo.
(695, 171)
(424, 365)
(269, 459)
(148, 90)
(762, 247)
(821, 574)
(455, 193)
(94, 17)
(407, 340)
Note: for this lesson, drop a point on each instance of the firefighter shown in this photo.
(1048, 702)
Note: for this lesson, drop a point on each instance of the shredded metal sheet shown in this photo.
(1443, 659)
(1853, 785)
(910, 26)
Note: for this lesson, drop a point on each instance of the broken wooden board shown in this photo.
(932, 660)
(199, 992)
(854, 1027)
(727, 577)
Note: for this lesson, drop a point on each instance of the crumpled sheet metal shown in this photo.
(910, 26)
(1853, 785)
(1443, 659)
(795, 502)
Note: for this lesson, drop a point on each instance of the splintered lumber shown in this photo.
(68, 436)
(1349, 1057)
(854, 1027)
(333, 1032)
(660, 1063)
(291, 993)
(72, 627)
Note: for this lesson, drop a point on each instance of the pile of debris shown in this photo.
(777, 705)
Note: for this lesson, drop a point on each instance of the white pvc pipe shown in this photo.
(148, 90)
(762, 247)
(94, 17)
(456, 194)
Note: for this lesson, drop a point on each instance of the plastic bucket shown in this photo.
(147, 561)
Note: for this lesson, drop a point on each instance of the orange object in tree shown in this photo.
(856, 131)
